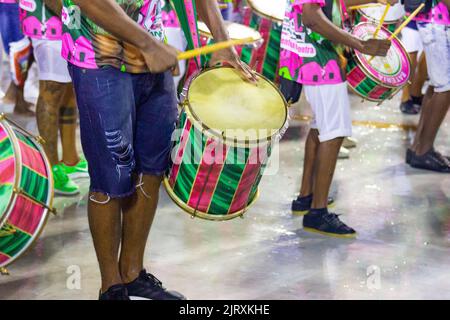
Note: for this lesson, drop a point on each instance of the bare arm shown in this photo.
(209, 13)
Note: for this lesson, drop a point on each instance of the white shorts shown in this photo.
(436, 41)
(51, 65)
(411, 40)
(330, 104)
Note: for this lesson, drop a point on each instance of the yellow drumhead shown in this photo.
(235, 30)
(221, 101)
(272, 9)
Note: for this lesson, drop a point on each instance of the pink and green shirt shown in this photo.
(87, 45)
(438, 14)
(306, 56)
(38, 22)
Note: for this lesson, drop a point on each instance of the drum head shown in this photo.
(236, 31)
(394, 15)
(394, 70)
(274, 10)
(234, 109)
(7, 171)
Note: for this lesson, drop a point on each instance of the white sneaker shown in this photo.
(344, 153)
(349, 143)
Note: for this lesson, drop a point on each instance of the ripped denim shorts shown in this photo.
(126, 124)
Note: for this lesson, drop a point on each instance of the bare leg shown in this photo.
(420, 77)
(324, 171)
(105, 225)
(406, 95)
(22, 106)
(425, 110)
(139, 211)
(311, 148)
(433, 115)
(10, 94)
(50, 96)
(68, 127)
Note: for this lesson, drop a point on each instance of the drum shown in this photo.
(26, 191)
(395, 15)
(267, 17)
(381, 78)
(225, 136)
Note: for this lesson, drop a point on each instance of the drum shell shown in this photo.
(265, 59)
(206, 181)
(32, 196)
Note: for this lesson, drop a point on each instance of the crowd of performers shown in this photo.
(111, 69)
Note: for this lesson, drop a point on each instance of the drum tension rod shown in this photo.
(4, 271)
(39, 139)
(26, 195)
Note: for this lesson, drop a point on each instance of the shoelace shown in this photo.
(155, 280)
(441, 159)
(333, 220)
(60, 175)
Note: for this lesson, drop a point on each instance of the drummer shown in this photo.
(312, 44)
(124, 82)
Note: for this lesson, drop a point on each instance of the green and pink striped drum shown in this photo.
(26, 191)
(265, 16)
(225, 136)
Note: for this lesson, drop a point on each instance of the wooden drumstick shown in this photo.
(383, 17)
(363, 6)
(403, 25)
(214, 48)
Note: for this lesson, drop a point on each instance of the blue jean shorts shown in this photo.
(126, 124)
(10, 24)
(436, 43)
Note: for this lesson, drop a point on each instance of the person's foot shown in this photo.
(322, 222)
(344, 153)
(79, 170)
(148, 287)
(63, 184)
(24, 108)
(302, 205)
(432, 161)
(409, 107)
(349, 143)
(117, 292)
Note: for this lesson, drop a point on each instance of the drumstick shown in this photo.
(383, 17)
(403, 25)
(213, 48)
(363, 6)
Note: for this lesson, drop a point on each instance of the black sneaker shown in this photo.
(328, 224)
(409, 107)
(431, 160)
(302, 205)
(409, 155)
(148, 287)
(117, 292)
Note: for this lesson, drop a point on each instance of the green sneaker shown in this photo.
(80, 170)
(63, 184)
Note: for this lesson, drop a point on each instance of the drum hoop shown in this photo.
(214, 133)
(262, 14)
(362, 96)
(209, 35)
(17, 168)
(366, 71)
(203, 215)
(371, 19)
(50, 195)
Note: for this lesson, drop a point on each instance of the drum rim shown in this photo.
(262, 14)
(46, 213)
(213, 133)
(364, 69)
(203, 215)
(209, 35)
(388, 22)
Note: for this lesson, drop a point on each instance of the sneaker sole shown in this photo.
(303, 213)
(333, 235)
(78, 175)
(139, 298)
(62, 193)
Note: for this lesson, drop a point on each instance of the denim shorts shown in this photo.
(126, 124)
(10, 24)
(436, 43)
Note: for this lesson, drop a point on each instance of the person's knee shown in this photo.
(99, 198)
